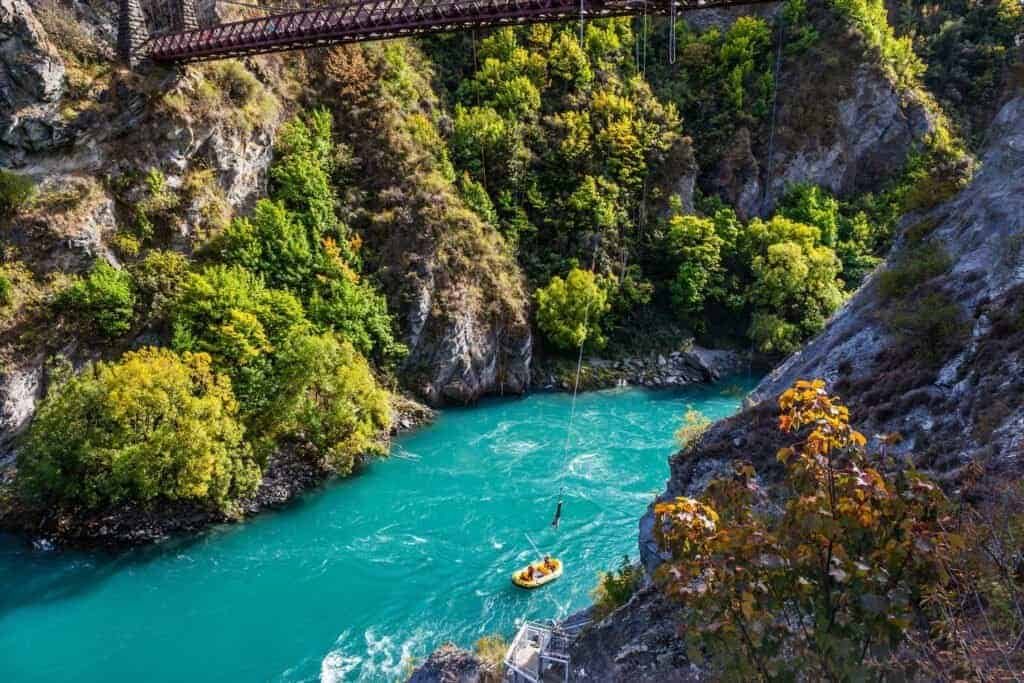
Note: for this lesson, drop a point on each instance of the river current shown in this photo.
(365, 574)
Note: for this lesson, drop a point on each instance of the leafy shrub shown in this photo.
(156, 203)
(615, 588)
(126, 245)
(327, 398)
(296, 242)
(800, 31)
(897, 53)
(229, 313)
(912, 269)
(985, 590)
(301, 175)
(695, 423)
(158, 277)
(358, 312)
(272, 243)
(6, 290)
(932, 325)
(826, 590)
(477, 199)
(152, 425)
(569, 311)
(491, 652)
(15, 192)
(105, 299)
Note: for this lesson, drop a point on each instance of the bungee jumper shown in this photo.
(558, 512)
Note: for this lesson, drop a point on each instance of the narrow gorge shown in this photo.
(320, 336)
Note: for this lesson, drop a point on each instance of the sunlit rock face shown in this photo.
(32, 80)
(966, 404)
(840, 122)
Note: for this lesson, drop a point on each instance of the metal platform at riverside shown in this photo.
(540, 652)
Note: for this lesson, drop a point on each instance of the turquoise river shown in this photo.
(366, 573)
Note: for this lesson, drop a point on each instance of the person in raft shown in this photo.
(549, 564)
(527, 575)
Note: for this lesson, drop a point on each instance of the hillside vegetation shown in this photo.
(293, 239)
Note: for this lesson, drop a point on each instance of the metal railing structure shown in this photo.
(540, 652)
(366, 20)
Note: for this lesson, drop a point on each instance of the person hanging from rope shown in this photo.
(558, 513)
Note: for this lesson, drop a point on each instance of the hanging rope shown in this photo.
(581, 23)
(579, 358)
(672, 32)
(644, 56)
(483, 153)
(636, 43)
(775, 97)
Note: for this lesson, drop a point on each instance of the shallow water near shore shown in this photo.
(365, 573)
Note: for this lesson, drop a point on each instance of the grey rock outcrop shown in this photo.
(32, 80)
(20, 389)
(981, 230)
(638, 642)
(868, 136)
(449, 664)
(694, 365)
(840, 122)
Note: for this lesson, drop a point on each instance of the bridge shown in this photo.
(358, 21)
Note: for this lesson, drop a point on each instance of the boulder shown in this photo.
(449, 664)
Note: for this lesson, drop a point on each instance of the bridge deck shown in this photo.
(365, 20)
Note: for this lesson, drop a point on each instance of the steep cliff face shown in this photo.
(840, 122)
(32, 81)
(952, 391)
(462, 297)
(90, 133)
(934, 353)
(87, 133)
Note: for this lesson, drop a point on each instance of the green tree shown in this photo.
(482, 141)
(152, 425)
(795, 287)
(301, 174)
(105, 299)
(349, 305)
(695, 242)
(158, 278)
(273, 243)
(229, 313)
(329, 400)
(853, 236)
(296, 243)
(809, 204)
(15, 192)
(569, 311)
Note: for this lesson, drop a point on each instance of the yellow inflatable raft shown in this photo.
(541, 575)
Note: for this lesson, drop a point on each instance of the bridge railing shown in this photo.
(364, 20)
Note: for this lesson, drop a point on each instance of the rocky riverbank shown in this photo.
(671, 368)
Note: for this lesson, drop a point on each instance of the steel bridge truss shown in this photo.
(366, 20)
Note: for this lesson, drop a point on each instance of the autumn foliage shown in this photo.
(823, 587)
